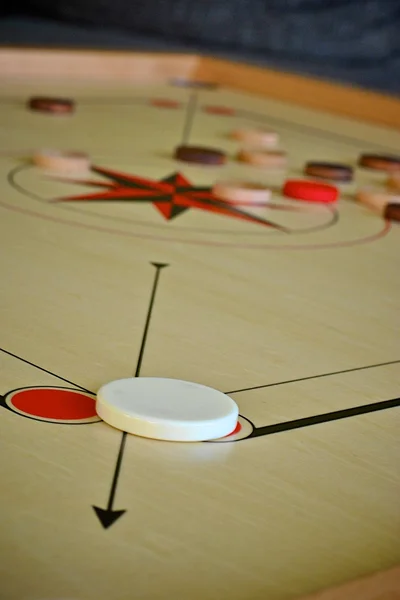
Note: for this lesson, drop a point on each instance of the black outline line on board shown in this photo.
(107, 516)
(324, 418)
(321, 418)
(335, 415)
(16, 186)
(268, 385)
(32, 364)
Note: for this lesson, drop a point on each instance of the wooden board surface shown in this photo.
(301, 328)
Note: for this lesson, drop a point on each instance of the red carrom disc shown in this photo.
(310, 191)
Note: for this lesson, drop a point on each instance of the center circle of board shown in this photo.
(167, 409)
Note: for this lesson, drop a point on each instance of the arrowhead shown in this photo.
(107, 517)
(159, 265)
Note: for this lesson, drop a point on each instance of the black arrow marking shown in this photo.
(108, 516)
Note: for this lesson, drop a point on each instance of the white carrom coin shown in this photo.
(167, 409)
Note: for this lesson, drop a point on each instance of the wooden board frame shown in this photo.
(157, 67)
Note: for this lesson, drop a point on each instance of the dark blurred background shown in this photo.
(351, 41)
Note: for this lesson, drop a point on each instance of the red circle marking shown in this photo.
(220, 110)
(54, 403)
(236, 430)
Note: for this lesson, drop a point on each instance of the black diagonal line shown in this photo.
(268, 385)
(119, 178)
(85, 182)
(112, 176)
(165, 199)
(237, 211)
(28, 362)
(189, 120)
(196, 192)
(117, 470)
(325, 418)
(158, 267)
(121, 449)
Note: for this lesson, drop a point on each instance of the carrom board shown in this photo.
(300, 327)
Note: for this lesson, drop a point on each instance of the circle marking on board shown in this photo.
(244, 428)
(53, 405)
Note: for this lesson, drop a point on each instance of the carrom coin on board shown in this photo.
(50, 105)
(167, 409)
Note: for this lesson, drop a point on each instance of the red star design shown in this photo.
(171, 196)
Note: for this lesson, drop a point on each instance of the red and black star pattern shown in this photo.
(171, 196)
